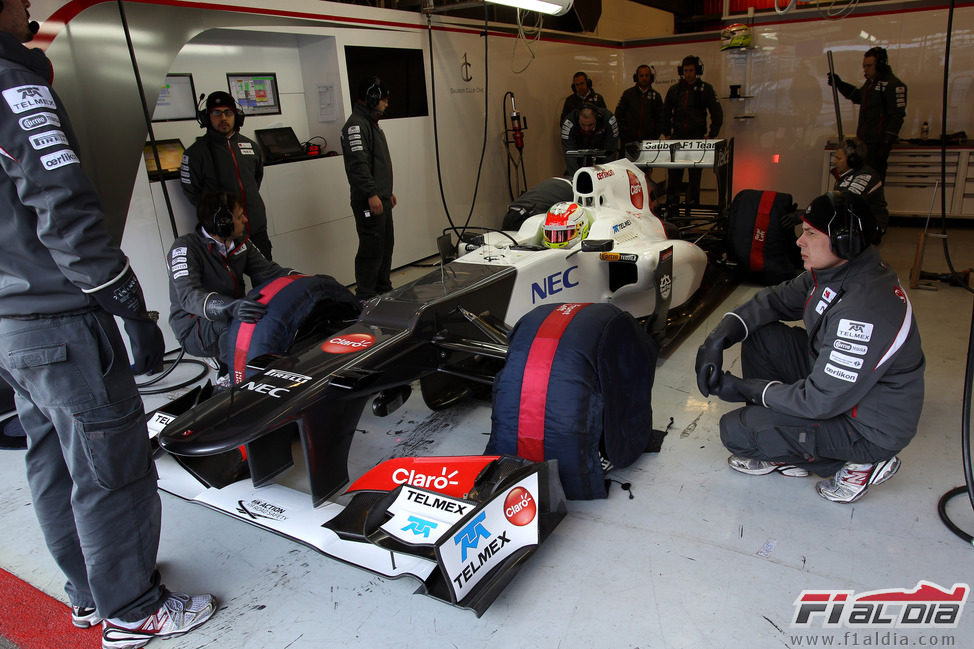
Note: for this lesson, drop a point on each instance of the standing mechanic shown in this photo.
(685, 116)
(882, 106)
(582, 94)
(206, 276)
(640, 109)
(369, 170)
(88, 460)
(223, 160)
(841, 396)
(853, 175)
(589, 129)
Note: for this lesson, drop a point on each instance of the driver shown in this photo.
(565, 225)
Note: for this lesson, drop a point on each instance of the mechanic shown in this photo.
(855, 176)
(590, 128)
(685, 110)
(206, 277)
(841, 396)
(640, 109)
(368, 166)
(882, 106)
(89, 464)
(582, 94)
(537, 200)
(223, 160)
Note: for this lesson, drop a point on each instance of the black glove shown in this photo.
(124, 298)
(710, 356)
(220, 307)
(732, 388)
(833, 78)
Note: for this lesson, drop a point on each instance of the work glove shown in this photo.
(710, 356)
(220, 307)
(124, 298)
(833, 78)
(734, 389)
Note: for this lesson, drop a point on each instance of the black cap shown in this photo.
(833, 210)
(219, 98)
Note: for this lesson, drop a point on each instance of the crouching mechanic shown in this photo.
(206, 277)
(840, 397)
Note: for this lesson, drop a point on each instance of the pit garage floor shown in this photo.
(699, 556)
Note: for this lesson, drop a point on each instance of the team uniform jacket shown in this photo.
(197, 270)
(685, 110)
(867, 363)
(640, 115)
(215, 163)
(53, 244)
(605, 137)
(882, 107)
(866, 182)
(573, 102)
(368, 164)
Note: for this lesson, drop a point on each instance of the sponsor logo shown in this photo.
(426, 481)
(828, 294)
(843, 359)
(183, 266)
(855, 330)
(288, 376)
(566, 309)
(520, 507)
(553, 284)
(604, 173)
(469, 539)
(925, 606)
(618, 227)
(420, 526)
(261, 509)
(353, 129)
(266, 388)
(841, 374)
(179, 252)
(24, 98)
(442, 503)
(900, 294)
(846, 346)
(635, 190)
(180, 273)
(348, 343)
(59, 159)
(665, 286)
(760, 235)
(30, 122)
(821, 307)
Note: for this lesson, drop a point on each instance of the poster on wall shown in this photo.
(256, 93)
(177, 99)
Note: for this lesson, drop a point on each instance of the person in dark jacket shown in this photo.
(840, 396)
(882, 106)
(223, 160)
(685, 110)
(368, 166)
(62, 282)
(206, 276)
(582, 94)
(853, 175)
(537, 200)
(640, 109)
(590, 128)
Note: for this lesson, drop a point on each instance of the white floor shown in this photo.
(699, 557)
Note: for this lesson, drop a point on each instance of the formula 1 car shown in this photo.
(448, 329)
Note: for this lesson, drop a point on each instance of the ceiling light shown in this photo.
(551, 7)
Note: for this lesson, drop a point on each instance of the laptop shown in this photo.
(279, 143)
(170, 158)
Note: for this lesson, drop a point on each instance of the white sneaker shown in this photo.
(177, 615)
(84, 617)
(763, 467)
(850, 483)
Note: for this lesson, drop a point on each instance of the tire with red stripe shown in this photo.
(578, 378)
(761, 236)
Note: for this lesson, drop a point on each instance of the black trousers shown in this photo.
(376, 239)
(779, 352)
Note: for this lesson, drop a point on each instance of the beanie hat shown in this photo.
(833, 210)
(220, 98)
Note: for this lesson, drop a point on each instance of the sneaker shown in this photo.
(763, 467)
(850, 483)
(178, 614)
(84, 617)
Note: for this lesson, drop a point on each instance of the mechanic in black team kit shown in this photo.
(89, 463)
(369, 170)
(223, 160)
(841, 396)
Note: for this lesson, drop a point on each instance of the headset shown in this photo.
(652, 73)
(882, 58)
(203, 114)
(215, 214)
(855, 152)
(846, 237)
(691, 59)
(371, 91)
(588, 81)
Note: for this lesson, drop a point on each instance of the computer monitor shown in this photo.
(170, 158)
(279, 143)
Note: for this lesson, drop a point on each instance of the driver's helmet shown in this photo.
(565, 223)
(736, 35)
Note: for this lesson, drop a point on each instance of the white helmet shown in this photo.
(565, 223)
